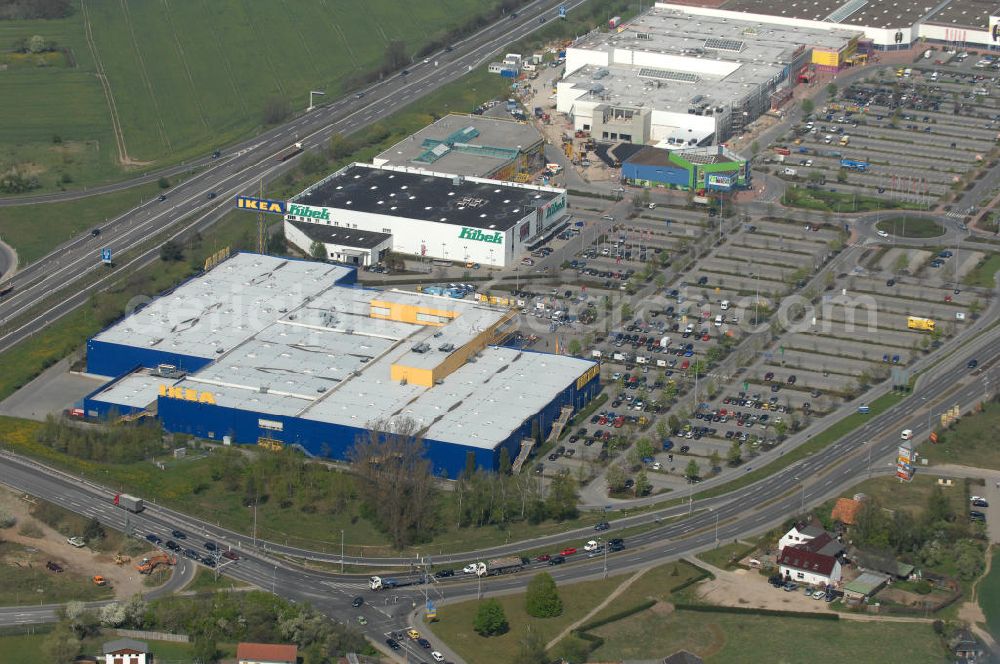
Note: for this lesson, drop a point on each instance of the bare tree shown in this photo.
(397, 485)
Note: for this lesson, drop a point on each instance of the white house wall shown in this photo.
(951, 34)
(809, 578)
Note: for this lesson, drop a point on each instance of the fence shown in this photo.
(153, 636)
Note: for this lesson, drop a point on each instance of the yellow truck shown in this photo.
(917, 323)
(845, 139)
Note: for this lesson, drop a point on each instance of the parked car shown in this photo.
(357, 601)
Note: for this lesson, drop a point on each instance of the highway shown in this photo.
(206, 196)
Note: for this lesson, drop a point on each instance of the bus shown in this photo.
(917, 323)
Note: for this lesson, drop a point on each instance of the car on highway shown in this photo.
(95, 232)
(229, 554)
(972, 364)
(543, 558)
(558, 560)
(178, 534)
(444, 573)
(211, 195)
(603, 525)
(568, 551)
(211, 546)
(192, 554)
(357, 601)
(469, 569)
(394, 644)
(172, 545)
(208, 561)
(592, 545)
(413, 634)
(424, 643)
(153, 539)
(163, 197)
(435, 655)
(881, 233)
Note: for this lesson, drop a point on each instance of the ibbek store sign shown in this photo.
(467, 233)
(309, 212)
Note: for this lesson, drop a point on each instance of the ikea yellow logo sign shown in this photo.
(186, 394)
(588, 376)
(260, 204)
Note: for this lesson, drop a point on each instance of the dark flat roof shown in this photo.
(443, 199)
(874, 14)
(973, 14)
(650, 156)
(346, 237)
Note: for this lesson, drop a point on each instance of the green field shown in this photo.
(722, 638)
(984, 273)
(971, 442)
(832, 201)
(918, 227)
(989, 595)
(186, 76)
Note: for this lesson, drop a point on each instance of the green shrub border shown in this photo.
(712, 608)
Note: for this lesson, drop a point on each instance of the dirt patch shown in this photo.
(745, 589)
(52, 545)
(662, 608)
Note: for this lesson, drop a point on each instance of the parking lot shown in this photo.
(903, 136)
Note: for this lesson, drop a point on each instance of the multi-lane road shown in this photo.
(692, 527)
(191, 204)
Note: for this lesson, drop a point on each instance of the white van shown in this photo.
(595, 353)
(641, 359)
(907, 434)
(718, 321)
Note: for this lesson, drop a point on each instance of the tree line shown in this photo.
(112, 444)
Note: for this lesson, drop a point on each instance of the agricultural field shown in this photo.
(184, 77)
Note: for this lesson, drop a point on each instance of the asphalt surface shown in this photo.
(240, 169)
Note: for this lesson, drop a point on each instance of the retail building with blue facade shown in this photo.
(262, 350)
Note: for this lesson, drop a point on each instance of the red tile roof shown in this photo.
(806, 561)
(267, 652)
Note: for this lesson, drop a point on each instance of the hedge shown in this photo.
(615, 617)
(705, 574)
(712, 608)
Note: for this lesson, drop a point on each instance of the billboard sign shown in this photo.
(904, 462)
(260, 204)
(309, 212)
(467, 233)
(719, 181)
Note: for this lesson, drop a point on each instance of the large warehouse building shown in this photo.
(473, 145)
(674, 77)
(437, 215)
(277, 352)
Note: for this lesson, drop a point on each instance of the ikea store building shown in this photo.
(266, 350)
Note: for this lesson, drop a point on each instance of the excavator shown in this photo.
(147, 565)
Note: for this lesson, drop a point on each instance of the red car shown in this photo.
(543, 558)
(230, 554)
(684, 365)
(567, 552)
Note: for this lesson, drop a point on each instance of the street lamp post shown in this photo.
(716, 530)
(605, 545)
(341, 550)
(869, 444)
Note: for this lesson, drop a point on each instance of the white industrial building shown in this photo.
(672, 76)
(434, 215)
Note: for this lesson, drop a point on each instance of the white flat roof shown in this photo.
(318, 354)
(137, 390)
(220, 309)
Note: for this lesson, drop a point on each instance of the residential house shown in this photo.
(883, 563)
(266, 653)
(800, 534)
(126, 651)
(810, 567)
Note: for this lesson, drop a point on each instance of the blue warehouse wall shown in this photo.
(102, 409)
(111, 359)
(663, 175)
(213, 422)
